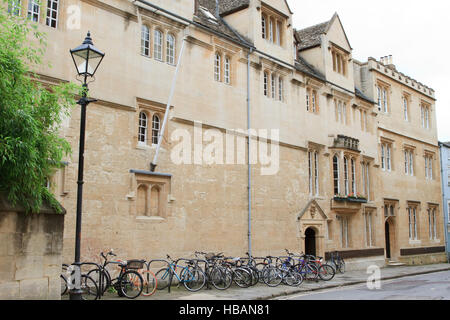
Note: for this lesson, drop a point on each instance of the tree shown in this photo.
(30, 115)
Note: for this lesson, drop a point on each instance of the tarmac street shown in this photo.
(433, 286)
(437, 286)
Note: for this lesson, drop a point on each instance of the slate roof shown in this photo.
(230, 6)
(310, 37)
(218, 24)
(305, 67)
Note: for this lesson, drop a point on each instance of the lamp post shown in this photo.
(87, 59)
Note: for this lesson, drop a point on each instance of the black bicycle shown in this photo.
(129, 283)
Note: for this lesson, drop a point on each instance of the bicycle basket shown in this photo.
(135, 264)
(210, 255)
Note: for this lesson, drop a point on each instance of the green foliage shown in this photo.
(30, 116)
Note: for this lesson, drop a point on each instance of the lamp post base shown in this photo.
(76, 294)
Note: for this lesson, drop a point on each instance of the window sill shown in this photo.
(415, 242)
(150, 219)
(142, 146)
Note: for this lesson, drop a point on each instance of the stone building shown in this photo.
(445, 171)
(355, 154)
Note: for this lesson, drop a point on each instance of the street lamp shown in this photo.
(87, 59)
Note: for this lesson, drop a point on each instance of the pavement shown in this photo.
(263, 292)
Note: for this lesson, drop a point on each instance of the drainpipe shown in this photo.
(248, 156)
(154, 163)
(441, 150)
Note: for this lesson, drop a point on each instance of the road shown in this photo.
(434, 286)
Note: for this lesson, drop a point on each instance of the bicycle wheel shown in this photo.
(242, 277)
(293, 278)
(326, 272)
(193, 278)
(260, 267)
(221, 278)
(95, 274)
(162, 278)
(272, 276)
(150, 283)
(254, 275)
(89, 288)
(310, 272)
(341, 266)
(64, 286)
(131, 284)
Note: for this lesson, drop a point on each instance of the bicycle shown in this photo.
(216, 274)
(191, 275)
(88, 286)
(337, 262)
(307, 269)
(242, 277)
(326, 271)
(129, 283)
(290, 275)
(150, 281)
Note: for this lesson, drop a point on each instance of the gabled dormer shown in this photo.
(326, 47)
(267, 24)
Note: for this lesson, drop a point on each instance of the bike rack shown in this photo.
(158, 260)
(99, 293)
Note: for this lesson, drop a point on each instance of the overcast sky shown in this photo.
(415, 33)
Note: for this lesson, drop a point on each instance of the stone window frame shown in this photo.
(22, 11)
(406, 106)
(341, 111)
(150, 180)
(361, 117)
(158, 48)
(171, 48)
(312, 101)
(150, 108)
(369, 227)
(146, 41)
(345, 239)
(351, 175)
(31, 10)
(383, 90)
(386, 155)
(15, 7)
(366, 179)
(429, 165)
(49, 19)
(271, 85)
(336, 173)
(272, 26)
(432, 211)
(313, 172)
(339, 59)
(167, 29)
(156, 128)
(224, 66)
(390, 208)
(409, 160)
(412, 211)
(143, 130)
(425, 115)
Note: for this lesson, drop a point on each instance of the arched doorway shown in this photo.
(388, 239)
(310, 242)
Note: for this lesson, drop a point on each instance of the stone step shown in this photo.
(395, 264)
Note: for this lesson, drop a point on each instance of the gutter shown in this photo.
(248, 156)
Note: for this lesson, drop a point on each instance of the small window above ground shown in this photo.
(150, 192)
